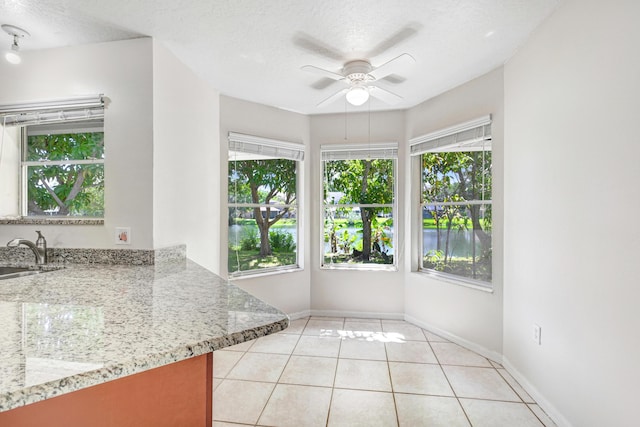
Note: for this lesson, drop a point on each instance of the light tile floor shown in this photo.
(364, 372)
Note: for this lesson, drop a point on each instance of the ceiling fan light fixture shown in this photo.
(357, 95)
(12, 55)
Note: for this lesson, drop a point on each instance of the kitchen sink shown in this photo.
(11, 272)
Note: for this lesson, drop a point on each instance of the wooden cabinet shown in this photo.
(178, 394)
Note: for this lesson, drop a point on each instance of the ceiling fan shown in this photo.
(360, 77)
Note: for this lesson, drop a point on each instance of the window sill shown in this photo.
(51, 221)
(261, 273)
(467, 283)
(359, 267)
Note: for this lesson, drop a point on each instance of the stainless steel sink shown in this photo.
(11, 272)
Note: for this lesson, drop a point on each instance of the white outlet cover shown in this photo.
(123, 236)
(537, 334)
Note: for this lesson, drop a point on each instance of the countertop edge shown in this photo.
(37, 393)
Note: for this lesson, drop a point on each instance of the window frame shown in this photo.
(264, 146)
(387, 150)
(52, 111)
(472, 134)
(25, 164)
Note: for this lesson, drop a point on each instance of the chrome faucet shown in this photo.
(39, 248)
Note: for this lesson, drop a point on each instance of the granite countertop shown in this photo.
(65, 330)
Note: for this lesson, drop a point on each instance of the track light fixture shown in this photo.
(12, 55)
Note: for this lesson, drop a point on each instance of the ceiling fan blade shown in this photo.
(385, 95)
(310, 44)
(394, 79)
(333, 97)
(394, 66)
(323, 83)
(322, 72)
(398, 37)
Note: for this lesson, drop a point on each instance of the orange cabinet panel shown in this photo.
(178, 394)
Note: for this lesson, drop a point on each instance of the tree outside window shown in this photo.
(263, 198)
(64, 171)
(262, 214)
(358, 207)
(456, 213)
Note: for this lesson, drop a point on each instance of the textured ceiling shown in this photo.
(254, 49)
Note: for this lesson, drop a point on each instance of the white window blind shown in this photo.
(53, 111)
(378, 150)
(249, 147)
(91, 126)
(474, 135)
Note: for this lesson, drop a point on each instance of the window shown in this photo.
(63, 169)
(61, 156)
(455, 201)
(359, 205)
(263, 204)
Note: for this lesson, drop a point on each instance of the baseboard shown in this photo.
(357, 314)
(489, 354)
(299, 314)
(542, 402)
(340, 313)
(546, 406)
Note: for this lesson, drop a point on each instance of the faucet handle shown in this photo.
(41, 244)
(41, 241)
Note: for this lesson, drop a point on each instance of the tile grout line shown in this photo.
(226, 375)
(518, 394)
(520, 399)
(485, 399)
(393, 392)
(449, 382)
(536, 415)
(512, 387)
(280, 376)
(244, 353)
(335, 374)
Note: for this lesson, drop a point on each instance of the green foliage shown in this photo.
(381, 240)
(345, 240)
(245, 255)
(281, 241)
(66, 189)
(449, 181)
(337, 234)
(362, 182)
(435, 259)
(250, 239)
(479, 269)
(263, 182)
(252, 260)
(346, 246)
(462, 175)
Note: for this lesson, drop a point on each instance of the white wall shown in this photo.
(357, 293)
(289, 292)
(9, 171)
(186, 190)
(470, 315)
(122, 71)
(572, 244)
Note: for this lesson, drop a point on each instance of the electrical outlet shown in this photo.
(123, 236)
(537, 334)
